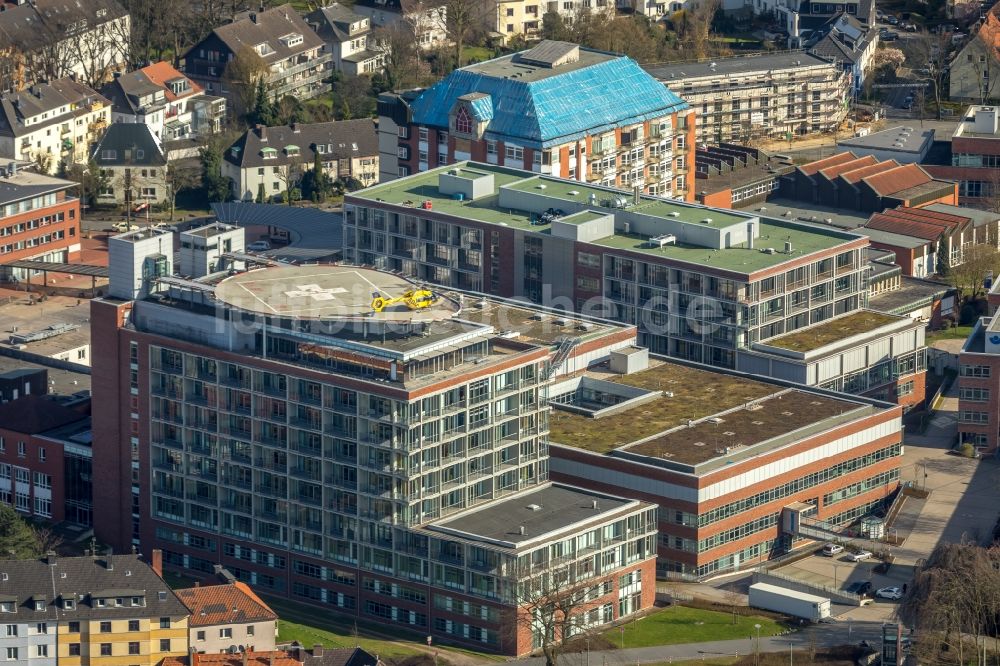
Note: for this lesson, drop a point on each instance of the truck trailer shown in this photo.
(781, 600)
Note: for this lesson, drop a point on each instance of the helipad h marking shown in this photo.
(315, 292)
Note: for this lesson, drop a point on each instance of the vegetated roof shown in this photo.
(337, 140)
(831, 330)
(539, 105)
(697, 393)
(268, 27)
(84, 580)
(833, 160)
(35, 414)
(232, 603)
(128, 144)
(898, 179)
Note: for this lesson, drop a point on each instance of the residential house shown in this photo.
(975, 157)
(45, 458)
(776, 95)
(263, 161)
(226, 615)
(847, 181)
(800, 18)
(975, 70)
(52, 123)
(132, 159)
(45, 40)
(850, 43)
(348, 37)
(427, 21)
(171, 104)
(296, 58)
(90, 610)
(523, 111)
(38, 218)
(523, 18)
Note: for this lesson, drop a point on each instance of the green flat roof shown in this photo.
(412, 191)
(833, 330)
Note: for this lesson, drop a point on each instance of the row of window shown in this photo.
(861, 487)
(107, 649)
(974, 394)
(36, 223)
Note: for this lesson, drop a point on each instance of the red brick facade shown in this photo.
(46, 231)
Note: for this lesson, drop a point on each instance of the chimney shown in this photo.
(156, 562)
(521, 530)
(50, 558)
(318, 650)
(109, 559)
(262, 133)
(750, 235)
(295, 128)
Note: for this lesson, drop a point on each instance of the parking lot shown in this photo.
(838, 572)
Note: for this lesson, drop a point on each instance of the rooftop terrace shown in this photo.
(413, 191)
(828, 332)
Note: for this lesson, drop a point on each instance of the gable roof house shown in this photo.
(348, 38)
(227, 615)
(850, 43)
(265, 157)
(51, 123)
(427, 20)
(54, 39)
(975, 70)
(133, 160)
(297, 60)
(171, 104)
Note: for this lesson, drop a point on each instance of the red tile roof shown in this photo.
(944, 219)
(812, 167)
(895, 180)
(854, 176)
(837, 169)
(224, 604)
(913, 228)
(161, 72)
(280, 658)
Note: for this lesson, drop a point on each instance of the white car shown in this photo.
(122, 227)
(259, 246)
(889, 593)
(860, 556)
(832, 549)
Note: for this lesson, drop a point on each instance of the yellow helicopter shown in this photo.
(415, 299)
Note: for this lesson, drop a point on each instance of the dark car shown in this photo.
(892, 20)
(890, 36)
(860, 587)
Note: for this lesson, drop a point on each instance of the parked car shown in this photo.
(832, 549)
(892, 20)
(259, 246)
(889, 593)
(890, 36)
(122, 227)
(860, 587)
(860, 556)
(909, 27)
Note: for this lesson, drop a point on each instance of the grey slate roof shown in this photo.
(914, 140)
(126, 90)
(81, 579)
(269, 26)
(736, 65)
(127, 140)
(333, 22)
(35, 24)
(341, 139)
(42, 98)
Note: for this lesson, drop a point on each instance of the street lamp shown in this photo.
(588, 651)
(622, 630)
(791, 653)
(756, 656)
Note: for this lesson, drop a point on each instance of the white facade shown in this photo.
(133, 257)
(218, 638)
(28, 640)
(202, 249)
(147, 184)
(52, 137)
(248, 180)
(428, 24)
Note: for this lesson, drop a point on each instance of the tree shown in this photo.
(90, 179)
(462, 20)
(698, 28)
(553, 607)
(17, 538)
(261, 110)
(247, 73)
(217, 187)
(933, 50)
(316, 183)
(290, 176)
(977, 261)
(179, 178)
(397, 44)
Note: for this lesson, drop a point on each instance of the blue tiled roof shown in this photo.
(555, 109)
(482, 108)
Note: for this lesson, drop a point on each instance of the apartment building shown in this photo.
(428, 21)
(89, 611)
(393, 465)
(226, 615)
(348, 37)
(523, 111)
(978, 388)
(852, 44)
(173, 106)
(973, 75)
(800, 18)
(45, 458)
(744, 98)
(702, 284)
(727, 457)
(266, 161)
(38, 220)
(975, 157)
(52, 124)
(296, 58)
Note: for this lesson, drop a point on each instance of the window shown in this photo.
(105, 649)
(41, 454)
(74, 649)
(41, 628)
(249, 630)
(41, 650)
(11, 630)
(514, 153)
(105, 627)
(225, 632)
(974, 394)
(463, 119)
(164, 645)
(164, 623)
(70, 604)
(201, 635)
(133, 625)
(403, 152)
(133, 647)
(109, 154)
(74, 627)
(403, 132)
(22, 450)
(12, 654)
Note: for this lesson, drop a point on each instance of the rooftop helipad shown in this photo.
(326, 292)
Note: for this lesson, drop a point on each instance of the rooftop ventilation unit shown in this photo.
(534, 507)
(768, 250)
(573, 193)
(707, 220)
(675, 213)
(540, 186)
(559, 322)
(661, 240)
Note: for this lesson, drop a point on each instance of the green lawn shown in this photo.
(680, 624)
(956, 333)
(472, 54)
(311, 635)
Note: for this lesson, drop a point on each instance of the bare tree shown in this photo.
(932, 49)
(178, 179)
(244, 73)
(461, 20)
(977, 261)
(698, 28)
(397, 44)
(289, 175)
